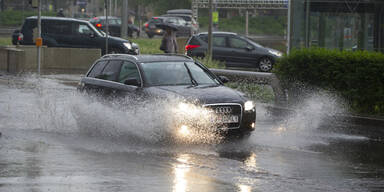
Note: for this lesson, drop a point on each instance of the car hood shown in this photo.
(203, 94)
(116, 39)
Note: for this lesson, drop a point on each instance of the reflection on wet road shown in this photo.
(56, 140)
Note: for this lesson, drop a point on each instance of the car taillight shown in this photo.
(99, 25)
(189, 47)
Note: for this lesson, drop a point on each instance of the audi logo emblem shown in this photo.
(223, 110)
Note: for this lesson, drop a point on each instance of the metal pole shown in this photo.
(39, 36)
(106, 26)
(246, 22)
(124, 19)
(307, 27)
(209, 51)
(115, 7)
(289, 27)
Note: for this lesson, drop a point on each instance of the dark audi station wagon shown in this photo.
(224, 110)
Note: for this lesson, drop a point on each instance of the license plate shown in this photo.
(227, 119)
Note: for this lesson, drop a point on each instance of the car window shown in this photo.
(182, 22)
(128, 71)
(218, 41)
(97, 68)
(172, 20)
(110, 71)
(59, 27)
(82, 29)
(237, 43)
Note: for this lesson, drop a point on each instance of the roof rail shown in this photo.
(118, 55)
(174, 54)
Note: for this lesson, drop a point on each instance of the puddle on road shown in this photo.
(276, 155)
(53, 107)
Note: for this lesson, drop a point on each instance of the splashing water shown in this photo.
(302, 128)
(50, 106)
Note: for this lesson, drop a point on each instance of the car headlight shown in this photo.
(128, 45)
(248, 105)
(276, 53)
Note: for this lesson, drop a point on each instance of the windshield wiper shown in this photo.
(193, 81)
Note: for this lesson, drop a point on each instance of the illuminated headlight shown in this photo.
(128, 45)
(276, 53)
(184, 131)
(248, 106)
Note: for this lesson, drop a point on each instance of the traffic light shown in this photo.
(34, 3)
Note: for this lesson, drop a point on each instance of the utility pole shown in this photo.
(289, 27)
(124, 19)
(209, 51)
(106, 26)
(39, 41)
(246, 22)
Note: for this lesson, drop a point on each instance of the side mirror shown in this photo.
(249, 48)
(132, 81)
(224, 79)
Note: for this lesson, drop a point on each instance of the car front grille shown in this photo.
(227, 109)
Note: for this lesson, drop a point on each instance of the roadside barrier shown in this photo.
(256, 78)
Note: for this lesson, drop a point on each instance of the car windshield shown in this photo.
(96, 30)
(249, 39)
(176, 73)
(112, 21)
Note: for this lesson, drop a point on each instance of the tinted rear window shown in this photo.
(194, 41)
(111, 71)
(96, 70)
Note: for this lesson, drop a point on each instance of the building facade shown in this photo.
(337, 24)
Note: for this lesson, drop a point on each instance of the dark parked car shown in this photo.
(114, 26)
(235, 50)
(191, 23)
(151, 28)
(162, 76)
(68, 32)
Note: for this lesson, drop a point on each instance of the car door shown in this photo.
(102, 78)
(61, 32)
(241, 53)
(83, 36)
(220, 49)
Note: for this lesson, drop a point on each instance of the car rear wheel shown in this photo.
(265, 64)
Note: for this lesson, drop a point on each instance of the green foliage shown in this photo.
(148, 46)
(356, 76)
(16, 18)
(253, 91)
(209, 63)
(5, 41)
(259, 25)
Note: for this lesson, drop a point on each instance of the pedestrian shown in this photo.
(169, 43)
(60, 13)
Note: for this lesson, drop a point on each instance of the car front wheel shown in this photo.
(265, 64)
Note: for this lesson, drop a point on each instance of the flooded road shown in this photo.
(55, 139)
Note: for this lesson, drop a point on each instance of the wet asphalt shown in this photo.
(54, 139)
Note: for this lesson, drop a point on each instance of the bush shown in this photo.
(16, 18)
(358, 77)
